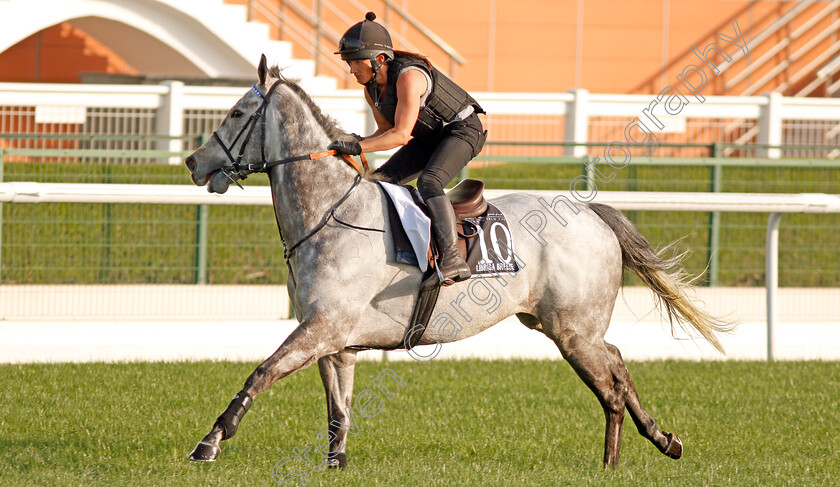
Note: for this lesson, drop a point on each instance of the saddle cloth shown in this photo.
(484, 240)
(484, 236)
(489, 246)
(411, 228)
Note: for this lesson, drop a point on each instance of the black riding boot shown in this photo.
(452, 265)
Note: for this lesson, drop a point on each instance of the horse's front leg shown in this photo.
(310, 341)
(337, 375)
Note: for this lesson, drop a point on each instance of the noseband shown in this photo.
(234, 165)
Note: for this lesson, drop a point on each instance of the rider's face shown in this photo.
(361, 69)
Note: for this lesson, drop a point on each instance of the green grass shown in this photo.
(504, 423)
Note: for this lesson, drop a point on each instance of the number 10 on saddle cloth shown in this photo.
(489, 245)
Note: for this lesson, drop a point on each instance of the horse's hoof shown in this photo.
(338, 462)
(205, 452)
(674, 448)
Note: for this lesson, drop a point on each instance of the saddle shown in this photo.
(467, 198)
(468, 201)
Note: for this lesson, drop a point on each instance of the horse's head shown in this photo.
(239, 140)
(255, 131)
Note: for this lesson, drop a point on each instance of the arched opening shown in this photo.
(92, 49)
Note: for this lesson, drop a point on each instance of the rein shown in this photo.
(287, 252)
(266, 165)
(235, 167)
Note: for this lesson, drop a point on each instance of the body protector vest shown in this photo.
(445, 101)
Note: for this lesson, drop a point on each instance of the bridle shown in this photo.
(234, 166)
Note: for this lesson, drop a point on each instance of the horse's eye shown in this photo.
(236, 113)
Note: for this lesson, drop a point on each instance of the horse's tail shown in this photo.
(664, 276)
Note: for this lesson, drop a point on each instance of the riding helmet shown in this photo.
(365, 40)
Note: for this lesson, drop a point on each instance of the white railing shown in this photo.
(768, 119)
(774, 204)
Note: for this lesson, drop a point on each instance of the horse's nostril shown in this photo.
(190, 163)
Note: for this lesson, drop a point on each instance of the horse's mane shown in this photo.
(330, 125)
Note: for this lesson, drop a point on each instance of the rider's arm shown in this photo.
(410, 87)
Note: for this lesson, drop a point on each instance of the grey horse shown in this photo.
(348, 293)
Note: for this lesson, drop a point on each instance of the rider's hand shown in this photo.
(346, 147)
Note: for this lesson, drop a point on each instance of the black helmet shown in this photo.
(365, 40)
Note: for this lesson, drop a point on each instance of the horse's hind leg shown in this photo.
(667, 443)
(337, 375)
(593, 364)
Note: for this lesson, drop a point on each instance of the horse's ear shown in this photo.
(262, 69)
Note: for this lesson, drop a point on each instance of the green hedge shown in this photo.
(112, 243)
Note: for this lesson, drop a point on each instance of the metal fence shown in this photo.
(176, 110)
(101, 243)
(140, 134)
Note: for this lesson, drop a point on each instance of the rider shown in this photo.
(434, 120)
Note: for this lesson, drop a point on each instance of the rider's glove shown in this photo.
(346, 147)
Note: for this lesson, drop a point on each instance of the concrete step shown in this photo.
(250, 39)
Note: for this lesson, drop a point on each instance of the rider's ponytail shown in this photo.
(414, 55)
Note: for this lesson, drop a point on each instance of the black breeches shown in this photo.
(436, 163)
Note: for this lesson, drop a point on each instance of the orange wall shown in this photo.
(526, 46)
(605, 46)
(63, 53)
(624, 44)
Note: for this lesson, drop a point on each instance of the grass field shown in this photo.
(504, 423)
